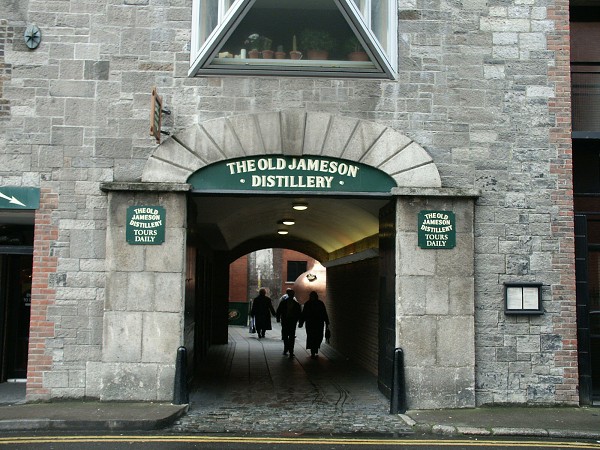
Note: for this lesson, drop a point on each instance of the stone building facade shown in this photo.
(476, 121)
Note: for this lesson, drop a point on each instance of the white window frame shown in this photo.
(358, 18)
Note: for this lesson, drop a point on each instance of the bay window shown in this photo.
(295, 37)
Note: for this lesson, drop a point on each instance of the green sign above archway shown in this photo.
(291, 173)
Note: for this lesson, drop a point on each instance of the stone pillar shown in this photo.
(435, 303)
(144, 305)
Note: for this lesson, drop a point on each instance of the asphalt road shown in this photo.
(221, 442)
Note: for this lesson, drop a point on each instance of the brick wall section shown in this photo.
(6, 36)
(42, 298)
(562, 228)
(355, 314)
(238, 280)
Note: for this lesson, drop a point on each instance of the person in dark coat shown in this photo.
(288, 313)
(261, 312)
(316, 318)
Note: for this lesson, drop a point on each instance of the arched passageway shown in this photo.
(339, 229)
(226, 185)
(341, 233)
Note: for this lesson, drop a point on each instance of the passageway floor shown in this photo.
(249, 386)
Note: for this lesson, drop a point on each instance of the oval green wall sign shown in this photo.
(291, 173)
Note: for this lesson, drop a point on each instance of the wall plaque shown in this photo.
(437, 230)
(145, 225)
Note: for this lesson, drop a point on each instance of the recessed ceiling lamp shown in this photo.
(282, 231)
(300, 206)
(288, 222)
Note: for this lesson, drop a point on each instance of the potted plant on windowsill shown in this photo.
(280, 54)
(354, 50)
(258, 44)
(267, 53)
(316, 43)
(252, 43)
(295, 54)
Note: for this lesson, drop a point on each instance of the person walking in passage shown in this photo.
(261, 312)
(315, 316)
(284, 297)
(288, 313)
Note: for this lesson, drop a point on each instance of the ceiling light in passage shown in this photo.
(288, 221)
(282, 231)
(300, 206)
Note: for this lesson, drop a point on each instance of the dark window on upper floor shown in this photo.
(295, 269)
(585, 68)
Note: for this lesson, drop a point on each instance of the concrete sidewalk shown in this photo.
(89, 416)
(248, 387)
(556, 422)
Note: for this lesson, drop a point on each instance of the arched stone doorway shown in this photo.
(304, 134)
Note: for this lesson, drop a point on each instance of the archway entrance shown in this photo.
(224, 186)
(246, 382)
(250, 146)
(341, 232)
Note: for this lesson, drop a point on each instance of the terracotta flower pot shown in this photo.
(279, 55)
(267, 54)
(317, 54)
(358, 56)
(253, 54)
(295, 55)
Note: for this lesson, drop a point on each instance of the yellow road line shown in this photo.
(293, 440)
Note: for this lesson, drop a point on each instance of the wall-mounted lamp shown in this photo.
(300, 206)
(311, 277)
(523, 298)
(282, 231)
(288, 222)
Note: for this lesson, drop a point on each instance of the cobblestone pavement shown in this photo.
(249, 386)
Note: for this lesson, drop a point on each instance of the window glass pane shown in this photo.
(209, 18)
(362, 6)
(226, 5)
(295, 269)
(380, 22)
(294, 33)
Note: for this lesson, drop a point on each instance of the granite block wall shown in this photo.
(483, 87)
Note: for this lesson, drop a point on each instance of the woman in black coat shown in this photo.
(262, 309)
(315, 316)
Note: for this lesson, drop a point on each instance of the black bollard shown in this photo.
(398, 400)
(180, 392)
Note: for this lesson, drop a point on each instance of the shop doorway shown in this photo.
(16, 261)
(15, 307)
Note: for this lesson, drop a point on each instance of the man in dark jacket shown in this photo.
(288, 313)
(261, 311)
